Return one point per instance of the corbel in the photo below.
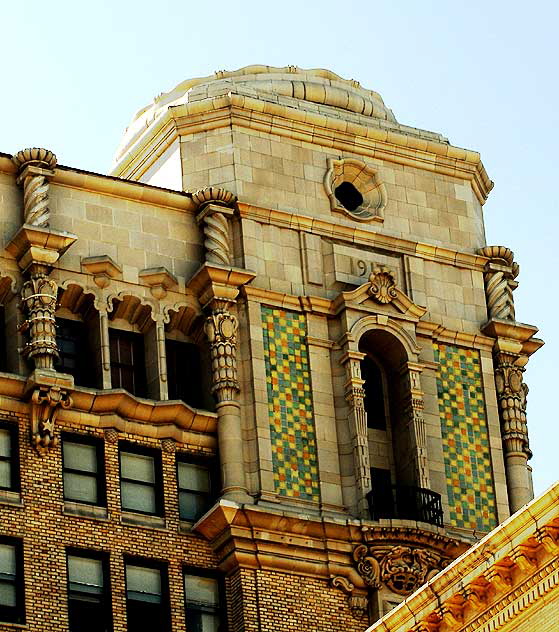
(102, 268)
(159, 280)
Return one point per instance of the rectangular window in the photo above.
(128, 361)
(141, 485)
(71, 338)
(183, 372)
(147, 600)
(202, 603)
(195, 489)
(84, 471)
(11, 581)
(89, 607)
(9, 466)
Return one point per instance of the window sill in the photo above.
(185, 526)
(10, 498)
(19, 626)
(141, 520)
(85, 511)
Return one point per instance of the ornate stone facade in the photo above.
(286, 343)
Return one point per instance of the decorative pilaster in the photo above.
(355, 397)
(217, 285)
(37, 248)
(221, 330)
(514, 343)
(413, 413)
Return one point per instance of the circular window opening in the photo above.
(348, 196)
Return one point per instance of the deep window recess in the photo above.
(202, 603)
(374, 394)
(9, 470)
(382, 498)
(11, 581)
(183, 372)
(71, 338)
(195, 489)
(84, 472)
(141, 486)
(348, 196)
(88, 593)
(128, 361)
(147, 601)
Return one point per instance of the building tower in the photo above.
(271, 374)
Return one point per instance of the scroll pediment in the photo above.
(381, 293)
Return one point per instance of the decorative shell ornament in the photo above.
(35, 156)
(383, 285)
(214, 195)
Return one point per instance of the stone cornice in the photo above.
(382, 142)
(253, 537)
(119, 409)
(494, 581)
(111, 185)
(362, 236)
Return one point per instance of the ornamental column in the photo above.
(37, 248)
(217, 284)
(357, 419)
(412, 397)
(514, 343)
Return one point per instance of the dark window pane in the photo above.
(146, 599)
(5, 443)
(374, 394)
(73, 350)
(202, 603)
(88, 603)
(183, 372)
(137, 467)
(79, 456)
(127, 361)
(138, 497)
(11, 574)
(83, 471)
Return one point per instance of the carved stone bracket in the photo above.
(47, 392)
(402, 569)
(35, 167)
(358, 601)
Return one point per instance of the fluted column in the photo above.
(357, 419)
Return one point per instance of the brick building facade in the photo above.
(266, 375)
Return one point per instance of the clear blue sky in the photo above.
(482, 73)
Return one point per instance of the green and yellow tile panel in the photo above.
(290, 406)
(467, 460)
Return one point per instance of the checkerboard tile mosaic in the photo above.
(469, 476)
(290, 406)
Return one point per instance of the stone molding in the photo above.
(319, 129)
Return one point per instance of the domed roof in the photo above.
(316, 86)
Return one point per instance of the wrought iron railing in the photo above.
(405, 502)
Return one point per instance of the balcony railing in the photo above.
(405, 502)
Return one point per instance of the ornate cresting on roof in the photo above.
(37, 248)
